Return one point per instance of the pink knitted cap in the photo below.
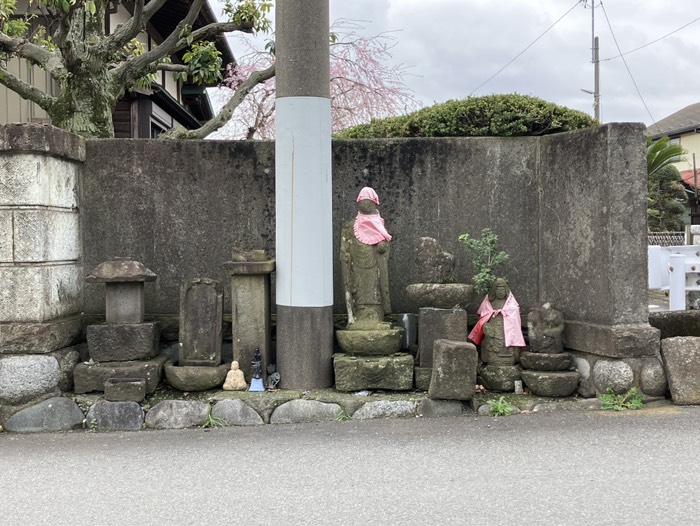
(368, 193)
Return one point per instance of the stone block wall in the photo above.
(41, 267)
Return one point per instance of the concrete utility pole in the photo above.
(303, 188)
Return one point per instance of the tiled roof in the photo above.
(685, 120)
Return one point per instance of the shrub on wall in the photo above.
(504, 115)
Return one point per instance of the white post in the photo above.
(676, 272)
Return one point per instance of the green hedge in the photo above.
(505, 115)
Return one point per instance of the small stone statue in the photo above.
(364, 255)
(256, 382)
(235, 381)
(545, 326)
(499, 326)
(272, 380)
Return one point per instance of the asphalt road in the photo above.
(636, 468)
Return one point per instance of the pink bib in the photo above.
(369, 229)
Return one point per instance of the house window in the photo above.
(157, 128)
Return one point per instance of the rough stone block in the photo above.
(115, 416)
(386, 409)
(681, 357)
(236, 413)
(6, 235)
(302, 411)
(195, 377)
(676, 323)
(422, 377)
(177, 414)
(54, 414)
(125, 389)
(24, 378)
(546, 361)
(201, 322)
(454, 370)
(440, 295)
(435, 324)
(500, 377)
(380, 342)
(614, 341)
(42, 180)
(36, 294)
(92, 377)
(430, 408)
(124, 342)
(46, 235)
(354, 373)
(39, 337)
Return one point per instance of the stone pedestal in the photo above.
(499, 377)
(250, 311)
(354, 373)
(380, 342)
(454, 370)
(435, 324)
(92, 377)
(123, 342)
(40, 243)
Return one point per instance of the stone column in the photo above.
(41, 296)
(250, 311)
(304, 228)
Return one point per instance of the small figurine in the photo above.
(256, 382)
(235, 380)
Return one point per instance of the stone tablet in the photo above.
(201, 322)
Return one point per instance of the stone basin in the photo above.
(378, 342)
(551, 383)
(195, 377)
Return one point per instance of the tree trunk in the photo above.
(85, 106)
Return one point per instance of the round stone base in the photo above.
(551, 383)
(195, 377)
(381, 342)
(546, 362)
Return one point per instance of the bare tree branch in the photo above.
(25, 90)
(225, 114)
(48, 60)
(128, 30)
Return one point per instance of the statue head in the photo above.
(367, 201)
(499, 290)
(234, 365)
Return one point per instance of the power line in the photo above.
(625, 62)
(523, 51)
(652, 42)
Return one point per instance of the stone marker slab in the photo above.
(681, 357)
(92, 377)
(177, 414)
(201, 322)
(54, 414)
(24, 378)
(454, 370)
(125, 389)
(353, 373)
(237, 413)
(435, 324)
(115, 416)
(123, 342)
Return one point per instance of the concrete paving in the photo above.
(566, 468)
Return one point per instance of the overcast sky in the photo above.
(453, 47)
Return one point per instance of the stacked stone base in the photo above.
(356, 373)
(548, 374)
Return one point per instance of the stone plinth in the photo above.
(354, 373)
(380, 342)
(546, 361)
(92, 377)
(435, 324)
(195, 378)
(454, 370)
(123, 342)
(125, 389)
(551, 383)
(614, 341)
(201, 322)
(440, 295)
(500, 377)
(250, 310)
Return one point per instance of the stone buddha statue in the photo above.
(545, 326)
(498, 330)
(364, 256)
(235, 381)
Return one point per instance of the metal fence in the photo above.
(666, 239)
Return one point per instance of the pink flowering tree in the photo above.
(365, 84)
